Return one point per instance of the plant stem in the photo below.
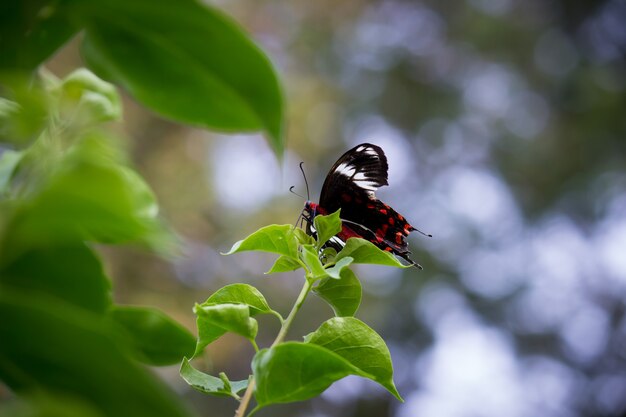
(245, 400)
(296, 307)
(247, 396)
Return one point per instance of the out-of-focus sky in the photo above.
(504, 125)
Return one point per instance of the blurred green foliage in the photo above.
(61, 333)
(124, 42)
(66, 186)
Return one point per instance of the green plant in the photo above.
(295, 371)
(66, 186)
(66, 347)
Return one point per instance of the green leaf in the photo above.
(25, 109)
(49, 346)
(215, 320)
(343, 294)
(240, 294)
(327, 227)
(303, 237)
(89, 196)
(186, 61)
(335, 270)
(284, 264)
(294, 371)
(8, 108)
(155, 337)
(8, 162)
(88, 99)
(244, 297)
(309, 255)
(31, 31)
(209, 384)
(329, 254)
(53, 405)
(360, 345)
(275, 238)
(73, 274)
(364, 252)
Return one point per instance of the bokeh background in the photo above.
(504, 123)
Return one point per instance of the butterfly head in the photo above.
(311, 210)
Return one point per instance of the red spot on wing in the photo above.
(346, 233)
(382, 230)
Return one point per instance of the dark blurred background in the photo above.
(504, 123)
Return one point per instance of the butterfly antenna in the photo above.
(308, 195)
(293, 192)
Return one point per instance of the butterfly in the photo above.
(350, 186)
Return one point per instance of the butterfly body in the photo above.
(350, 186)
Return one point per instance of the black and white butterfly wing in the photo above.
(354, 178)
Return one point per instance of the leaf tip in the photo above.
(234, 249)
